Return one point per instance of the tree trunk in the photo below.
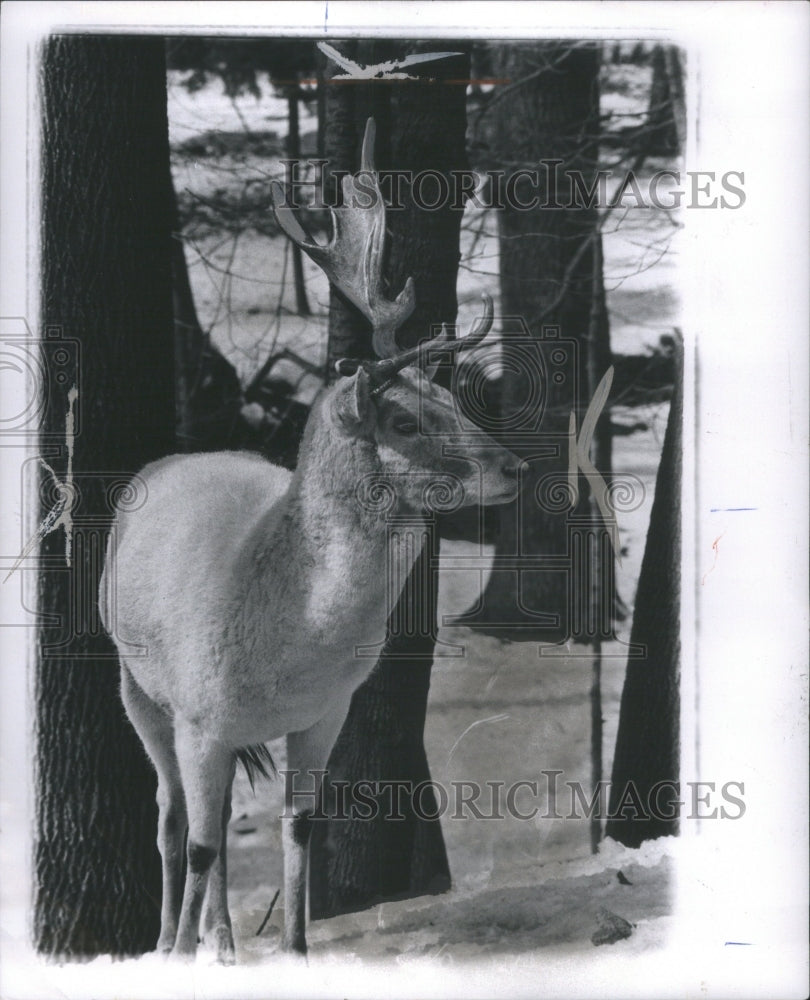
(294, 153)
(320, 76)
(106, 273)
(647, 743)
(665, 129)
(189, 339)
(550, 113)
(677, 93)
(356, 863)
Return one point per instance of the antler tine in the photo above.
(353, 258)
(419, 354)
(367, 151)
(482, 325)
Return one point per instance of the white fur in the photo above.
(249, 590)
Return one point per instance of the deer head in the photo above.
(393, 400)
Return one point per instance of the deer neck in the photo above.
(321, 559)
(327, 491)
(327, 524)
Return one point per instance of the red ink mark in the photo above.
(715, 550)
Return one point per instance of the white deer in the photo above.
(248, 589)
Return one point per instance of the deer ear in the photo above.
(351, 404)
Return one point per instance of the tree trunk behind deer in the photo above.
(665, 129)
(106, 278)
(294, 153)
(189, 339)
(355, 863)
(547, 266)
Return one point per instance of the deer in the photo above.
(238, 593)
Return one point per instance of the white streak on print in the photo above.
(390, 70)
(478, 722)
(61, 514)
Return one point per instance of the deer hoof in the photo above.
(166, 941)
(220, 938)
(184, 951)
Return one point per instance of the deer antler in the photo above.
(382, 372)
(420, 355)
(353, 258)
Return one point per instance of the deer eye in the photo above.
(404, 425)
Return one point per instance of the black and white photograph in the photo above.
(405, 500)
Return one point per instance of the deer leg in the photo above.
(306, 751)
(216, 917)
(156, 730)
(206, 768)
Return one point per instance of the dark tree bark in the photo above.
(647, 743)
(356, 863)
(677, 92)
(189, 339)
(106, 283)
(665, 129)
(320, 75)
(548, 111)
(294, 153)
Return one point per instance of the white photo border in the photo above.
(744, 627)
